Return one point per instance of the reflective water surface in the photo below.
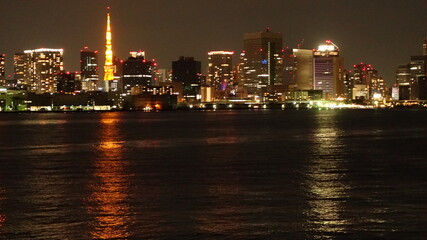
(340, 174)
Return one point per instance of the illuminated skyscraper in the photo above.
(262, 61)
(108, 66)
(2, 69)
(411, 77)
(19, 69)
(366, 76)
(220, 73)
(117, 84)
(164, 76)
(187, 72)
(89, 69)
(41, 66)
(298, 69)
(137, 71)
(66, 82)
(403, 80)
(418, 66)
(329, 71)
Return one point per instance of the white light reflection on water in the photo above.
(325, 181)
(107, 202)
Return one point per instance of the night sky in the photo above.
(384, 33)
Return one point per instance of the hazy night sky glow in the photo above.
(384, 33)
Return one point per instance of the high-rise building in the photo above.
(379, 89)
(367, 75)
(364, 74)
(164, 76)
(348, 84)
(403, 74)
(298, 69)
(2, 69)
(67, 82)
(262, 61)
(220, 73)
(41, 66)
(137, 71)
(403, 81)
(89, 69)
(20, 67)
(418, 67)
(108, 66)
(188, 72)
(116, 85)
(408, 77)
(329, 71)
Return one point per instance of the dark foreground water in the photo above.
(340, 174)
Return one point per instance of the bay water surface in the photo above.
(267, 174)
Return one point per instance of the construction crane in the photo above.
(299, 45)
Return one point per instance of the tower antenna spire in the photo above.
(108, 66)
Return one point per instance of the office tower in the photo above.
(164, 76)
(403, 74)
(329, 71)
(418, 67)
(67, 82)
(187, 72)
(41, 67)
(89, 69)
(108, 66)
(403, 81)
(366, 75)
(2, 69)
(220, 73)
(19, 69)
(379, 88)
(116, 85)
(422, 87)
(408, 77)
(298, 69)
(137, 71)
(348, 84)
(262, 61)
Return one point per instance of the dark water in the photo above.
(342, 174)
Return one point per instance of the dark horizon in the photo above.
(373, 32)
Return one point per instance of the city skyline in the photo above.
(171, 31)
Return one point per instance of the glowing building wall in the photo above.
(262, 61)
(220, 73)
(41, 67)
(329, 71)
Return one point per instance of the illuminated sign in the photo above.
(324, 48)
(220, 53)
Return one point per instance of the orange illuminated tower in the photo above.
(108, 67)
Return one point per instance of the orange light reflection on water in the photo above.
(110, 190)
